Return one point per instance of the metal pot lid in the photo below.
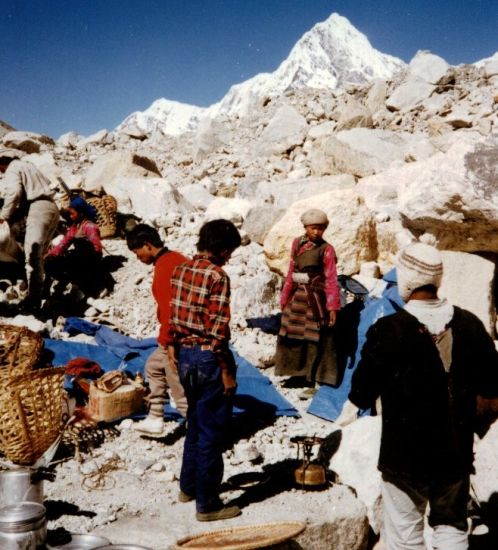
(22, 512)
(123, 547)
(76, 541)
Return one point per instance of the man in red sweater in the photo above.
(144, 241)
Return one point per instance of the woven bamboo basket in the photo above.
(122, 402)
(31, 414)
(20, 351)
(244, 537)
(107, 208)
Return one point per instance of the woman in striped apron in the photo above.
(310, 301)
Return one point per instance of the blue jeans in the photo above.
(208, 417)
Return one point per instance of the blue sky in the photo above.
(84, 65)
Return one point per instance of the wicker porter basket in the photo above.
(31, 414)
(20, 351)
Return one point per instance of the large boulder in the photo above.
(351, 230)
(428, 67)
(210, 135)
(423, 74)
(285, 192)
(117, 165)
(45, 162)
(151, 199)
(485, 480)
(286, 130)
(355, 462)
(260, 220)
(29, 142)
(334, 519)
(452, 195)
(363, 152)
(354, 115)
(231, 209)
(197, 195)
(102, 137)
(468, 282)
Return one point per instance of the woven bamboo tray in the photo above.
(20, 351)
(244, 537)
(31, 414)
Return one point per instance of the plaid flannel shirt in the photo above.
(200, 304)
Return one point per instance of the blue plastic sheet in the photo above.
(328, 401)
(256, 395)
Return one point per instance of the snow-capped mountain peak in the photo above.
(331, 55)
(165, 115)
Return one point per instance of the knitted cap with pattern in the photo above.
(418, 265)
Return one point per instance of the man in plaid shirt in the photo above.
(198, 341)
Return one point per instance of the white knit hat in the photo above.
(314, 216)
(418, 265)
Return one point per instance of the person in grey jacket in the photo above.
(28, 200)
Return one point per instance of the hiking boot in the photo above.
(226, 512)
(150, 425)
(183, 497)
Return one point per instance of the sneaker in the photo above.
(183, 497)
(226, 512)
(151, 425)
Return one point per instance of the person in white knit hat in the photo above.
(430, 363)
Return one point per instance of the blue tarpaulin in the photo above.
(328, 401)
(255, 395)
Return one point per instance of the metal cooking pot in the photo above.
(75, 541)
(23, 526)
(123, 547)
(20, 485)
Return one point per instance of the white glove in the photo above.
(348, 414)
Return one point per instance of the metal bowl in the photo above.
(75, 541)
(123, 547)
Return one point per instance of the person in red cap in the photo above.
(310, 301)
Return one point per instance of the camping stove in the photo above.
(310, 474)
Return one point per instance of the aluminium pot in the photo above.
(77, 541)
(123, 547)
(23, 526)
(20, 485)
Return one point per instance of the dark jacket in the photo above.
(428, 415)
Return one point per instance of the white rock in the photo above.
(355, 462)
(148, 198)
(235, 210)
(102, 137)
(286, 130)
(111, 167)
(428, 67)
(468, 282)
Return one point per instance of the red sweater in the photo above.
(164, 265)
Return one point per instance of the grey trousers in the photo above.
(41, 223)
(161, 376)
(404, 509)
